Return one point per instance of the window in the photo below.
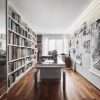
(51, 44)
(59, 46)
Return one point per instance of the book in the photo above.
(16, 17)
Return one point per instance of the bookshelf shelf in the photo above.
(18, 68)
(21, 48)
(17, 22)
(19, 58)
(19, 35)
(14, 45)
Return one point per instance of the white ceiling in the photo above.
(50, 16)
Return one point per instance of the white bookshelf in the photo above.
(22, 53)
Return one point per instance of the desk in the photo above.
(51, 71)
(47, 57)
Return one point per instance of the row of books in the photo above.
(14, 15)
(28, 59)
(15, 65)
(29, 30)
(29, 65)
(13, 53)
(23, 32)
(13, 77)
(13, 38)
(25, 52)
(12, 25)
(17, 52)
(25, 42)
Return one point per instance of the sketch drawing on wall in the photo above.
(79, 59)
(86, 29)
(86, 46)
(78, 49)
(95, 43)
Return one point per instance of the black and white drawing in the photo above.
(78, 49)
(86, 46)
(96, 40)
(79, 59)
(95, 30)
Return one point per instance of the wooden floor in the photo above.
(2, 87)
(77, 88)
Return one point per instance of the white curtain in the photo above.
(52, 44)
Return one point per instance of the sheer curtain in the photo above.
(52, 44)
(45, 46)
(59, 46)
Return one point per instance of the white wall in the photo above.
(2, 18)
(90, 15)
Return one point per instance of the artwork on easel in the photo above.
(95, 29)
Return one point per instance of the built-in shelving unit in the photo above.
(21, 43)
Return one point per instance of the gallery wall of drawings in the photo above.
(86, 41)
(84, 45)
